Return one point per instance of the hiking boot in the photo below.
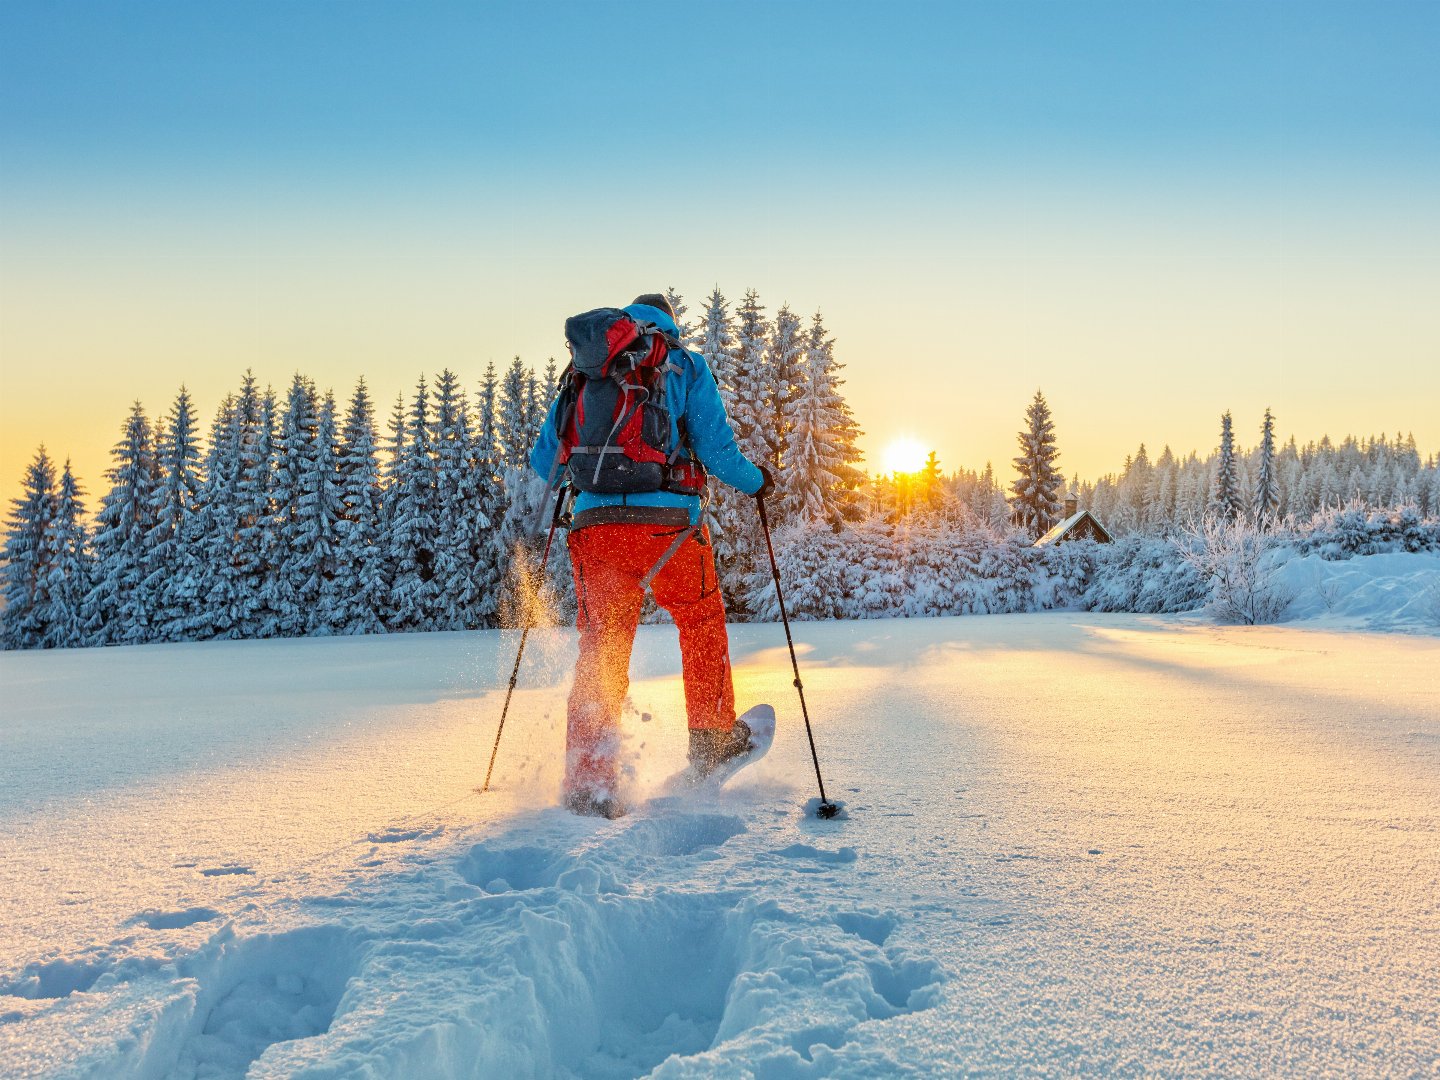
(712, 747)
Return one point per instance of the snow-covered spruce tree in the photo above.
(1289, 478)
(412, 524)
(929, 489)
(1408, 453)
(753, 380)
(316, 534)
(512, 426)
(523, 595)
(1330, 484)
(1267, 488)
(845, 432)
(520, 417)
(177, 494)
(957, 497)
(487, 557)
(118, 607)
(1161, 502)
(1034, 495)
(548, 386)
(395, 454)
(715, 340)
(27, 556)
(992, 506)
(391, 477)
(534, 406)
(456, 498)
(67, 579)
(1136, 488)
(745, 388)
(1332, 488)
(1194, 491)
(285, 603)
(360, 585)
(1245, 474)
(1430, 489)
(689, 333)
(785, 356)
(730, 512)
(1225, 501)
(254, 543)
(504, 500)
(819, 455)
(1101, 501)
(204, 589)
(487, 405)
(560, 581)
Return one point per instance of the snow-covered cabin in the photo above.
(1077, 524)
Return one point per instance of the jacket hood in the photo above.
(646, 313)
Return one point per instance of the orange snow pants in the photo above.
(609, 562)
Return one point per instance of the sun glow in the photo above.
(904, 455)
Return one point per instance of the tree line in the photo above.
(295, 517)
(1269, 483)
(1189, 533)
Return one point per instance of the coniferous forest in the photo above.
(296, 513)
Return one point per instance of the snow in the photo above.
(1074, 843)
(1392, 591)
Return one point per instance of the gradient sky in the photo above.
(1154, 212)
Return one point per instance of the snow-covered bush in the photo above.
(1143, 574)
(918, 567)
(1357, 530)
(1239, 559)
(1063, 573)
(879, 570)
(819, 586)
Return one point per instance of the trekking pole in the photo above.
(826, 809)
(524, 634)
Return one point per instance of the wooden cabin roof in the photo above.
(1067, 528)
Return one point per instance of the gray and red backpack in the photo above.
(612, 417)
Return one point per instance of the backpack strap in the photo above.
(568, 393)
(670, 339)
(628, 389)
(680, 538)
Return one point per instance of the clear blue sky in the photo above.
(981, 197)
(302, 92)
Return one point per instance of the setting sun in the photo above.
(904, 455)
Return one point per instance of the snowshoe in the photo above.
(717, 756)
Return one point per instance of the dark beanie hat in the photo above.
(655, 300)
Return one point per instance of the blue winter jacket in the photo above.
(691, 392)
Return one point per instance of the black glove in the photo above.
(767, 483)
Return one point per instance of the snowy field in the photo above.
(1075, 844)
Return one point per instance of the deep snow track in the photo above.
(1106, 845)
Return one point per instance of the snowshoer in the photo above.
(656, 425)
